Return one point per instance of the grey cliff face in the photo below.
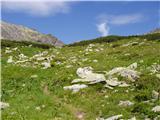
(20, 33)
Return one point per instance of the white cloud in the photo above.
(107, 20)
(103, 28)
(121, 19)
(36, 7)
(125, 19)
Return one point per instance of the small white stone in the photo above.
(43, 106)
(113, 82)
(3, 105)
(40, 58)
(34, 76)
(107, 86)
(15, 48)
(106, 96)
(69, 66)
(133, 66)
(38, 108)
(95, 61)
(116, 117)
(75, 88)
(141, 61)
(156, 108)
(125, 103)
(133, 118)
(155, 94)
(124, 85)
(158, 76)
(10, 60)
(8, 51)
(46, 65)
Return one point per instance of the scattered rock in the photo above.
(113, 82)
(116, 117)
(8, 51)
(40, 58)
(156, 108)
(155, 94)
(124, 72)
(4, 105)
(130, 44)
(69, 66)
(95, 61)
(127, 54)
(46, 65)
(23, 85)
(125, 103)
(10, 59)
(22, 56)
(107, 86)
(80, 115)
(141, 61)
(46, 90)
(106, 96)
(43, 106)
(75, 88)
(158, 76)
(123, 84)
(86, 75)
(133, 66)
(155, 68)
(38, 108)
(133, 118)
(34, 76)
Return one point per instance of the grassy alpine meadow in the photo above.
(34, 89)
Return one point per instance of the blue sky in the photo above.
(75, 21)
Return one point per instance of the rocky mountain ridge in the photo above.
(21, 33)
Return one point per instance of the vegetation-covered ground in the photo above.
(34, 93)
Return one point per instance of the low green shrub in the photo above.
(8, 43)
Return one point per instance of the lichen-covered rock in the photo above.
(124, 72)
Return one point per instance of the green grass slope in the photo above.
(43, 97)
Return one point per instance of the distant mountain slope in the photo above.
(157, 30)
(113, 38)
(22, 33)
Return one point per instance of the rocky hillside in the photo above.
(20, 33)
(110, 79)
